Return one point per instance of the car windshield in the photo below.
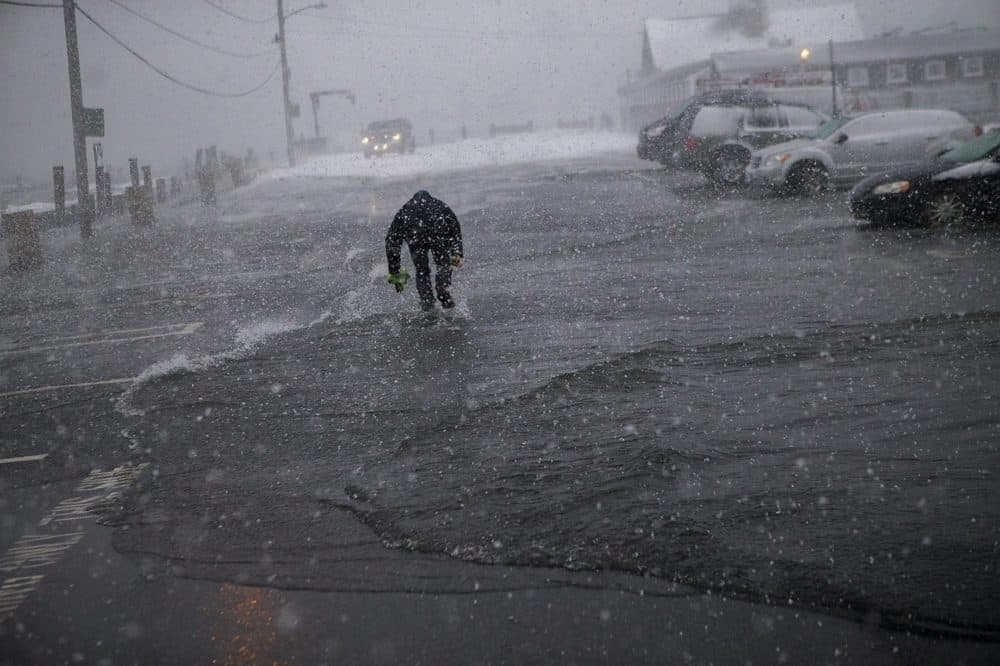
(828, 128)
(385, 126)
(977, 149)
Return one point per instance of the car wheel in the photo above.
(809, 179)
(729, 166)
(944, 210)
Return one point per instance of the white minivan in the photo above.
(845, 150)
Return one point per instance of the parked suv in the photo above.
(845, 150)
(716, 132)
(383, 136)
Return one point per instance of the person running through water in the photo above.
(426, 225)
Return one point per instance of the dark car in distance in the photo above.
(385, 136)
(714, 133)
(962, 185)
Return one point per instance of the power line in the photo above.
(190, 40)
(246, 19)
(417, 29)
(167, 76)
(29, 4)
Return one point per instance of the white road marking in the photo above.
(34, 552)
(195, 297)
(21, 459)
(57, 387)
(110, 337)
(636, 174)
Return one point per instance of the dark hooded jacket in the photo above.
(424, 222)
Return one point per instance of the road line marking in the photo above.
(144, 329)
(644, 177)
(21, 459)
(34, 552)
(56, 387)
(195, 297)
(185, 329)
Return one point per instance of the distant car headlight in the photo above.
(896, 187)
(777, 159)
(654, 132)
(397, 137)
(364, 140)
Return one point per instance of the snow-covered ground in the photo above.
(36, 206)
(468, 154)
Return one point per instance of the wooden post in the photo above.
(101, 205)
(23, 247)
(59, 192)
(84, 206)
(133, 170)
(106, 186)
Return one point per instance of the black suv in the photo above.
(384, 136)
(714, 133)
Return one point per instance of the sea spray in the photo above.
(248, 340)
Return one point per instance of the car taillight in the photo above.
(977, 130)
(690, 143)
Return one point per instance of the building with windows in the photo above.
(677, 54)
(955, 69)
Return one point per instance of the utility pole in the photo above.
(833, 80)
(285, 74)
(83, 207)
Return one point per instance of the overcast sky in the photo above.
(443, 63)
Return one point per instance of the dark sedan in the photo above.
(961, 185)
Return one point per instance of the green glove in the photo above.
(399, 280)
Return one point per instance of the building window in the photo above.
(857, 77)
(934, 70)
(972, 66)
(895, 73)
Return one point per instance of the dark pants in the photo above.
(442, 279)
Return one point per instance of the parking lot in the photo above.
(711, 388)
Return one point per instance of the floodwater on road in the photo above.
(751, 396)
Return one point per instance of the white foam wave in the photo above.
(352, 253)
(363, 301)
(248, 340)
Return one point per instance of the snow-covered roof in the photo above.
(678, 42)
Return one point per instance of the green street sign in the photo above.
(93, 122)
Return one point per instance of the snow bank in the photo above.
(468, 154)
(37, 206)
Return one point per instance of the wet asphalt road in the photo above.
(683, 389)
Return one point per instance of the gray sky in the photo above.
(440, 62)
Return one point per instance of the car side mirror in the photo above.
(840, 138)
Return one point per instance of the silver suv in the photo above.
(714, 133)
(845, 150)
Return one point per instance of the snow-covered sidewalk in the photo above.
(468, 154)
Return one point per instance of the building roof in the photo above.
(878, 49)
(674, 43)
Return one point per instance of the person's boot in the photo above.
(446, 300)
(427, 306)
